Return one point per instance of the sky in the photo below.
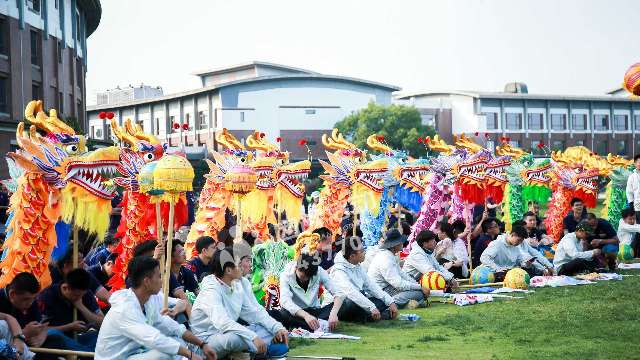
(576, 47)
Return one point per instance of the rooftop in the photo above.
(249, 65)
(506, 95)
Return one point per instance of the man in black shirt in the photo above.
(604, 237)
(18, 300)
(574, 216)
(103, 270)
(64, 265)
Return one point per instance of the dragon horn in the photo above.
(375, 144)
(50, 124)
(123, 134)
(137, 132)
(438, 144)
(227, 139)
(256, 141)
(336, 141)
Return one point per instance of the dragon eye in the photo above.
(149, 157)
(71, 149)
(243, 159)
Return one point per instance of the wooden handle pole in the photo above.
(167, 266)
(160, 233)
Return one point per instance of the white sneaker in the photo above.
(412, 304)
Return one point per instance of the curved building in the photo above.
(43, 55)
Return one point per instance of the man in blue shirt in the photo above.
(605, 238)
(575, 216)
(201, 265)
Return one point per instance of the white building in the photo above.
(129, 93)
(280, 101)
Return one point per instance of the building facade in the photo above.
(605, 124)
(43, 56)
(280, 101)
(129, 93)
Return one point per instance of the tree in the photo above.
(400, 125)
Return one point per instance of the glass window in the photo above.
(35, 48)
(98, 133)
(558, 122)
(535, 121)
(557, 145)
(77, 26)
(35, 91)
(637, 122)
(172, 120)
(579, 121)
(579, 143)
(4, 95)
(427, 119)
(60, 103)
(203, 119)
(620, 122)
(491, 120)
(600, 122)
(621, 148)
(34, 5)
(602, 147)
(514, 143)
(4, 37)
(241, 116)
(313, 111)
(514, 121)
(60, 51)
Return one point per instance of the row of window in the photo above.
(601, 146)
(579, 122)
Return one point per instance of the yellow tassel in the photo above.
(364, 198)
(289, 204)
(86, 211)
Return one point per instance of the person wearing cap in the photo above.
(421, 260)
(315, 199)
(570, 257)
(364, 300)
(505, 253)
(299, 301)
(385, 271)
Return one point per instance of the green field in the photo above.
(598, 321)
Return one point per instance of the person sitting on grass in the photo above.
(421, 260)
(185, 277)
(103, 271)
(364, 300)
(576, 215)
(540, 265)
(64, 264)
(136, 328)
(505, 253)
(385, 271)
(58, 302)
(627, 227)
(490, 231)
(300, 283)
(571, 257)
(460, 265)
(225, 298)
(201, 264)
(605, 238)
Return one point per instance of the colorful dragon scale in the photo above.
(138, 220)
(403, 177)
(214, 198)
(470, 171)
(512, 201)
(61, 179)
(574, 174)
(616, 197)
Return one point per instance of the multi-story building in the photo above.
(279, 100)
(43, 55)
(120, 95)
(604, 124)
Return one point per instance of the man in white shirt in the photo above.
(364, 300)
(421, 260)
(299, 295)
(226, 297)
(633, 196)
(570, 257)
(506, 253)
(385, 271)
(627, 227)
(136, 329)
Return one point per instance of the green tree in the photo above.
(400, 125)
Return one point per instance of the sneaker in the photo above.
(412, 304)
(277, 351)
(240, 356)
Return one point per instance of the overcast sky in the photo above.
(554, 46)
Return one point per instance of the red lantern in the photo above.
(262, 135)
(486, 135)
(278, 139)
(419, 139)
(185, 126)
(540, 145)
(381, 138)
(427, 139)
(110, 115)
(176, 126)
(302, 142)
(477, 133)
(102, 115)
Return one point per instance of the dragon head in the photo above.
(401, 170)
(137, 149)
(584, 168)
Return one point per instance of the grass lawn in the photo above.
(598, 321)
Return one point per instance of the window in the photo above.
(157, 126)
(637, 122)
(187, 120)
(602, 147)
(4, 95)
(204, 119)
(557, 145)
(579, 142)
(491, 120)
(620, 122)
(35, 48)
(491, 145)
(427, 119)
(514, 121)
(579, 121)
(241, 116)
(535, 121)
(558, 122)
(60, 103)
(34, 5)
(621, 148)
(98, 133)
(172, 120)
(78, 26)
(59, 51)
(4, 37)
(600, 122)
(55, 4)
(514, 143)
(35, 92)
(310, 111)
